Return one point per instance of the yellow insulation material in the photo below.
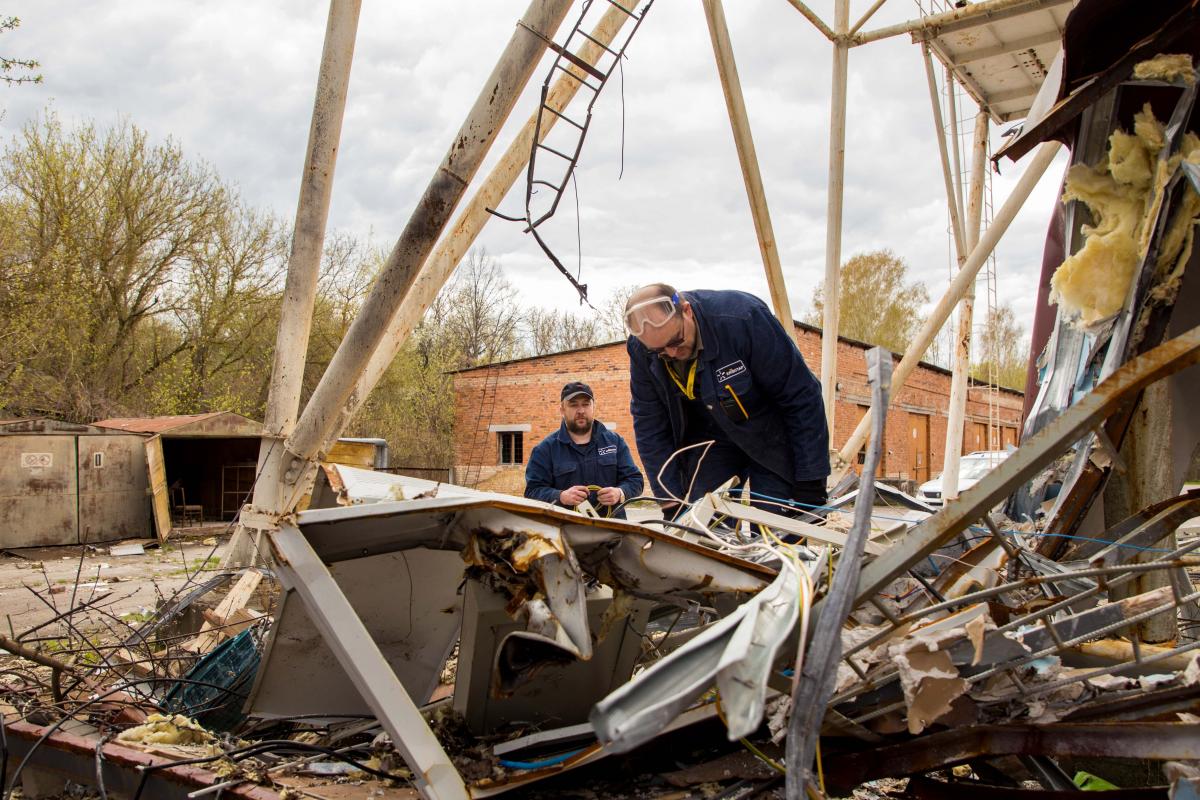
(1093, 282)
(162, 729)
(1124, 193)
(1166, 67)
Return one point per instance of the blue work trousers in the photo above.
(725, 459)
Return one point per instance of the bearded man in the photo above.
(582, 460)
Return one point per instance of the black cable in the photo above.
(50, 730)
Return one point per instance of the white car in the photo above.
(971, 467)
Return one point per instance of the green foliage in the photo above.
(1002, 350)
(16, 70)
(876, 304)
(137, 283)
(125, 261)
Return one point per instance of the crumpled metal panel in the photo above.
(409, 603)
(736, 652)
(538, 557)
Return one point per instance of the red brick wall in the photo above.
(526, 392)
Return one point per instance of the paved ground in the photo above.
(124, 585)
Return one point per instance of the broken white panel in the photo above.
(409, 604)
(736, 653)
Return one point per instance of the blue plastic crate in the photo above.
(222, 680)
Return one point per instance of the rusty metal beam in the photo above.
(446, 187)
(743, 140)
(1148, 740)
(975, 14)
(455, 243)
(957, 288)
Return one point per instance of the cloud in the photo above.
(233, 83)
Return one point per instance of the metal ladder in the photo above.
(541, 172)
(479, 439)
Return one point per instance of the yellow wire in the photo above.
(770, 762)
(820, 767)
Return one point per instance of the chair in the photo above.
(182, 512)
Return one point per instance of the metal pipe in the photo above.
(966, 307)
(955, 149)
(454, 245)
(947, 178)
(958, 287)
(743, 140)
(957, 17)
(470, 145)
(812, 17)
(304, 263)
(863, 19)
(833, 222)
(312, 211)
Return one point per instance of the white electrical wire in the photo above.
(670, 458)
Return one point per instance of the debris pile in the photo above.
(964, 649)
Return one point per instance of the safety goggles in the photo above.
(655, 313)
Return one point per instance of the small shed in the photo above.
(199, 464)
(65, 483)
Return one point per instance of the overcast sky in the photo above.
(232, 82)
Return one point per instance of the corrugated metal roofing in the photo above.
(154, 424)
(213, 423)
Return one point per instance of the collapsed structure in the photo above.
(1049, 612)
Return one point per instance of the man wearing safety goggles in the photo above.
(717, 366)
(582, 460)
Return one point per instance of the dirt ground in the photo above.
(128, 587)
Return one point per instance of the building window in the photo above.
(512, 447)
(97, 460)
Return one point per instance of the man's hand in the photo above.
(610, 496)
(573, 496)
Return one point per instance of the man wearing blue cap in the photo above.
(582, 460)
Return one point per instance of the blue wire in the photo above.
(547, 762)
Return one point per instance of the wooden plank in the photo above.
(352, 454)
(157, 467)
(238, 621)
(237, 598)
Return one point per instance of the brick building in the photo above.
(502, 410)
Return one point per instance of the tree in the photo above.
(475, 316)
(121, 258)
(555, 331)
(16, 70)
(611, 313)
(1002, 350)
(876, 304)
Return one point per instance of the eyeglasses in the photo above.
(655, 312)
(675, 341)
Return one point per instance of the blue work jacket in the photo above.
(558, 463)
(750, 377)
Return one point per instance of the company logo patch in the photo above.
(729, 370)
(607, 451)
